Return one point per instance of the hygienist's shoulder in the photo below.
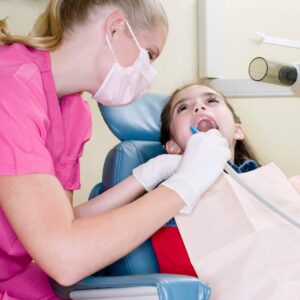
(20, 77)
(19, 62)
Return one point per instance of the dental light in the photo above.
(261, 69)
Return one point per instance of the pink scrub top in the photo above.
(38, 134)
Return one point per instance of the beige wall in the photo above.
(271, 125)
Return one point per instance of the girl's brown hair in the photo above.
(61, 15)
(242, 149)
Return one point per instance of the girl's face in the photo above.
(204, 108)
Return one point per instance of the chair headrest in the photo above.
(139, 120)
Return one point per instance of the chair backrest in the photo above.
(137, 121)
(138, 128)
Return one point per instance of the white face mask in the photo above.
(123, 85)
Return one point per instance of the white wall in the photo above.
(272, 124)
(21, 13)
(178, 65)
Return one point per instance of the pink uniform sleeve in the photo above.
(77, 125)
(23, 125)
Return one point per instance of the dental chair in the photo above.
(136, 276)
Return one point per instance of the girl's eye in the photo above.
(181, 108)
(213, 100)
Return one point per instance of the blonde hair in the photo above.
(61, 15)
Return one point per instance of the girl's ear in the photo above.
(239, 132)
(172, 148)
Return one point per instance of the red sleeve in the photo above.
(170, 251)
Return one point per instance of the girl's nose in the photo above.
(199, 108)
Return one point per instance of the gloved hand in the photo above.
(202, 163)
(157, 169)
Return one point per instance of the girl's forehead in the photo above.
(192, 91)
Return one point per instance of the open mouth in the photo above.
(206, 123)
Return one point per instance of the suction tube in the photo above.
(261, 69)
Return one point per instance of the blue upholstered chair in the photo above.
(135, 276)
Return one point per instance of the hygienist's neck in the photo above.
(64, 73)
(79, 64)
(71, 73)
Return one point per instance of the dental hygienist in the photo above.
(104, 47)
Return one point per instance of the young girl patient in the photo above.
(201, 107)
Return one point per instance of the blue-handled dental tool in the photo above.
(194, 130)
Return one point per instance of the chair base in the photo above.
(131, 293)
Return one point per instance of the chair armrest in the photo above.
(169, 286)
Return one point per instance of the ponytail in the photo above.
(46, 33)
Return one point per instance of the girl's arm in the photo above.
(146, 177)
(69, 249)
(122, 193)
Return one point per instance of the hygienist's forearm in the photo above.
(118, 232)
(125, 192)
(69, 249)
(70, 195)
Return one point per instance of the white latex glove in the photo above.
(157, 169)
(202, 163)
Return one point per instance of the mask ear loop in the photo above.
(111, 49)
(133, 35)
